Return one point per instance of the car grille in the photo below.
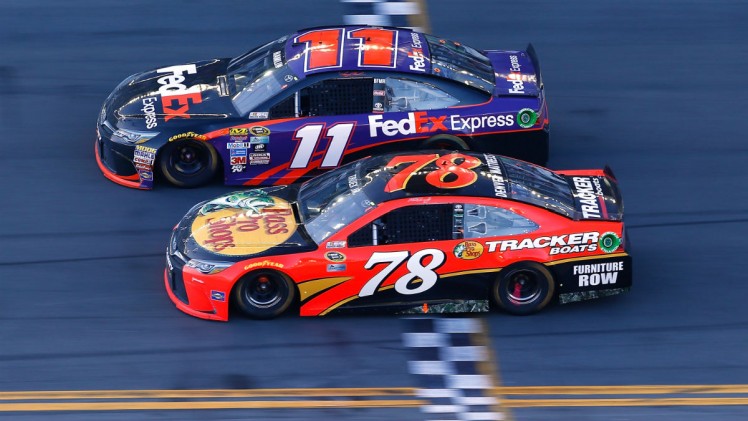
(175, 262)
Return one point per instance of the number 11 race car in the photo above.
(409, 231)
(307, 102)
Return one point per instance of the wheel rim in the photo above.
(264, 291)
(189, 158)
(523, 287)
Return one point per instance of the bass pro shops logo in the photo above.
(175, 96)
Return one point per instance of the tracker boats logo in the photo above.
(175, 96)
(588, 190)
(557, 244)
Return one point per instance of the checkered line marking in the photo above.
(383, 13)
(447, 365)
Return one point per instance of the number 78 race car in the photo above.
(420, 230)
(287, 110)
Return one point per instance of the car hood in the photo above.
(172, 96)
(243, 224)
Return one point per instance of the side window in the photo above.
(488, 221)
(337, 97)
(284, 109)
(411, 95)
(410, 224)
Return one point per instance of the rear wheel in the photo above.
(523, 288)
(445, 141)
(264, 294)
(188, 163)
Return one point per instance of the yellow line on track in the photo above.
(384, 397)
(207, 393)
(622, 390)
(532, 403)
(154, 406)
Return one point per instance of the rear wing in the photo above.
(596, 194)
(517, 72)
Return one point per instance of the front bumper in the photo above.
(192, 292)
(115, 161)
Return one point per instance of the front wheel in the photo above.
(264, 294)
(188, 163)
(523, 288)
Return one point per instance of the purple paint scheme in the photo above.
(307, 102)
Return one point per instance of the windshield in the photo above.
(461, 63)
(333, 200)
(538, 186)
(258, 75)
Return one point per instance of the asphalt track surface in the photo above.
(655, 89)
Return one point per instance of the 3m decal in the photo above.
(175, 96)
(309, 137)
(416, 270)
(454, 172)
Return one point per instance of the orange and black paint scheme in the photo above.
(425, 227)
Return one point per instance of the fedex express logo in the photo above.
(416, 54)
(175, 96)
(418, 122)
(515, 77)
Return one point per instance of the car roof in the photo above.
(409, 47)
(399, 175)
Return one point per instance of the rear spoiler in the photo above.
(596, 194)
(517, 73)
(535, 63)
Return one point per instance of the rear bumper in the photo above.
(590, 277)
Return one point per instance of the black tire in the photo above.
(188, 163)
(523, 288)
(445, 141)
(264, 294)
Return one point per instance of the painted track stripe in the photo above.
(142, 406)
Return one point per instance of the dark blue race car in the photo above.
(314, 99)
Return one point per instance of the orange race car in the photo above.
(427, 230)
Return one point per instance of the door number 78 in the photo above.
(416, 270)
